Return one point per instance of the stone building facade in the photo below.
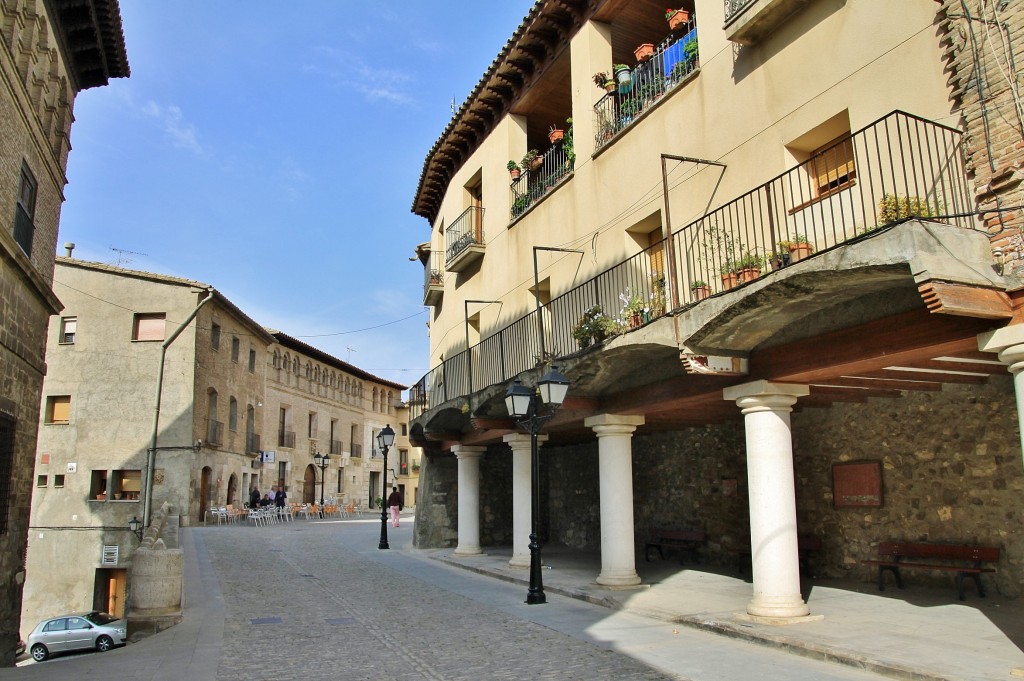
(229, 396)
(318, 404)
(45, 61)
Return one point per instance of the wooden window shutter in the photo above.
(832, 164)
(149, 327)
(60, 409)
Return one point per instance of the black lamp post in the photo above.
(321, 461)
(523, 405)
(385, 439)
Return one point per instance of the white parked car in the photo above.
(77, 631)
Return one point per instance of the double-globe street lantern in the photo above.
(385, 438)
(524, 405)
(321, 461)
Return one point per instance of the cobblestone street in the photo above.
(318, 600)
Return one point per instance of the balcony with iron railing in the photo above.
(748, 22)
(672, 63)
(357, 450)
(252, 442)
(464, 242)
(24, 229)
(542, 175)
(898, 167)
(336, 449)
(433, 280)
(286, 438)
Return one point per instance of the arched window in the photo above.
(233, 414)
(375, 399)
(277, 359)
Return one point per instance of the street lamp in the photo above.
(523, 405)
(135, 525)
(385, 438)
(321, 461)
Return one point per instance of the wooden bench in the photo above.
(688, 541)
(963, 559)
(806, 545)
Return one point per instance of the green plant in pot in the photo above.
(594, 326)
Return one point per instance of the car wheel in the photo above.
(104, 643)
(39, 652)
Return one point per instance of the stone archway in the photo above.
(205, 489)
(232, 489)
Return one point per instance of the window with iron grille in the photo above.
(6, 459)
(25, 210)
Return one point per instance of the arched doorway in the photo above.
(309, 485)
(204, 492)
(232, 489)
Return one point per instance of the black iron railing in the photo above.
(252, 442)
(734, 7)
(432, 272)
(24, 229)
(898, 167)
(538, 179)
(465, 231)
(674, 59)
(286, 438)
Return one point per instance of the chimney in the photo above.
(69, 246)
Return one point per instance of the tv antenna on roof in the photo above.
(350, 351)
(122, 254)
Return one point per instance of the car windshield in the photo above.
(100, 618)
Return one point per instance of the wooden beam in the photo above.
(967, 301)
(840, 393)
(893, 341)
(973, 367)
(924, 376)
(883, 383)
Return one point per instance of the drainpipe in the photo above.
(147, 510)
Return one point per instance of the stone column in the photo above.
(521, 501)
(469, 499)
(615, 465)
(773, 535)
(1009, 343)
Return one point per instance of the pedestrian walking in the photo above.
(395, 503)
(254, 497)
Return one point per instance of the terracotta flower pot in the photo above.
(536, 163)
(610, 86)
(556, 135)
(700, 292)
(730, 280)
(515, 173)
(644, 52)
(678, 19)
(798, 252)
(748, 274)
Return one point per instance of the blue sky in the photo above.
(273, 150)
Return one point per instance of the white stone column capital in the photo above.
(785, 394)
(468, 452)
(613, 424)
(522, 440)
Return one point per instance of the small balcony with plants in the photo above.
(667, 62)
(433, 279)
(748, 22)
(537, 174)
(464, 242)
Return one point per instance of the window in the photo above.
(233, 414)
(98, 485)
(127, 485)
(312, 425)
(58, 481)
(235, 348)
(25, 210)
(40, 481)
(405, 429)
(215, 336)
(832, 165)
(56, 625)
(149, 326)
(68, 326)
(252, 361)
(58, 409)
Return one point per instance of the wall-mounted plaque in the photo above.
(857, 484)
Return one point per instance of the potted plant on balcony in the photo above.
(690, 52)
(644, 51)
(730, 275)
(513, 169)
(555, 134)
(624, 77)
(532, 160)
(676, 18)
(700, 289)
(748, 267)
(632, 308)
(604, 81)
(594, 326)
(799, 248)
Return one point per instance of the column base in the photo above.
(618, 578)
(778, 606)
(467, 551)
(520, 561)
